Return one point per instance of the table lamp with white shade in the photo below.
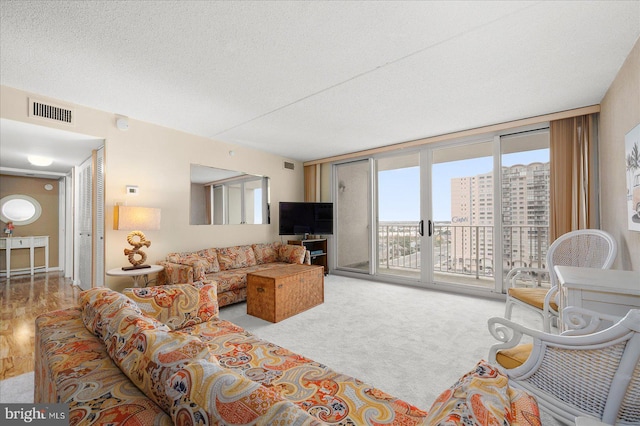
(136, 220)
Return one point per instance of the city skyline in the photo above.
(404, 204)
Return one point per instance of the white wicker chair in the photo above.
(589, 248)
(571, 375)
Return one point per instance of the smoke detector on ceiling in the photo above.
(122, 123)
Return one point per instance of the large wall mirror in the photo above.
(19, 209)
(228, 197)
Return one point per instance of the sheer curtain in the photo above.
(574, 175)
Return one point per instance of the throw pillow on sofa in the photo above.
(122, 331)
(211, 255)
(236, 257)
(100, 303)
(291, 254)
(267, 252)
(201, 264)
(157, 356)
(177, 305)
(483, 397)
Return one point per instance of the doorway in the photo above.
(67, 150)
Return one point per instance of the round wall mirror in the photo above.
(19, 209)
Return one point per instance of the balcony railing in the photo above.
(462, 249)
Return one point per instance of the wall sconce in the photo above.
(136, 219)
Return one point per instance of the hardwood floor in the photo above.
(22, 299)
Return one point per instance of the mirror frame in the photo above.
(36, 215)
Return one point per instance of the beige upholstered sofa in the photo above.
(161, 356)
(228, 266)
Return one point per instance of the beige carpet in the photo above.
(17, 389)
(409, 342)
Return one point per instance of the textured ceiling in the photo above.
(309, 80)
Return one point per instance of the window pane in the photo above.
(525, 202)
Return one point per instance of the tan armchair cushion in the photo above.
(514, 357)
(531, 296)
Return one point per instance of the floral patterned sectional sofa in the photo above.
(228, 266)
(161, 356)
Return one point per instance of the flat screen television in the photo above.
(299, 218)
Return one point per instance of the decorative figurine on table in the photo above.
(9, 229)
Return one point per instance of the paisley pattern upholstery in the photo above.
(291, 254)
(211, 255)
(177, 306)
(156, 356)
(236, 257)
(232, 296)
(228, 267)
(101, 302)
(237, 278)
(174, 273)
(205, 390)
(214, 372)
(267, 252)
(331, 397)
(484, 397)
(73, 367)
(200, 264)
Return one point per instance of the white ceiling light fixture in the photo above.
(40, 161)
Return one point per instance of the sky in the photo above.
(398, 190)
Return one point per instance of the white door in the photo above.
(89, 223)
(98, 241)
(83, 226)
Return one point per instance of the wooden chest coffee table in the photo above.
(278, 293)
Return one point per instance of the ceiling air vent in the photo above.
(289, 165)
(49, 111)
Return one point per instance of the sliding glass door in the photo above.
(353, 218)
(442, 215)
(462, 189)
(398, 215)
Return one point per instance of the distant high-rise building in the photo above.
(525, 217)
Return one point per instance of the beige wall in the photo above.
(47, 224)
(620, 112)
(158, 159)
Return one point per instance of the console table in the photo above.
(16, 243)
(609, 291)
